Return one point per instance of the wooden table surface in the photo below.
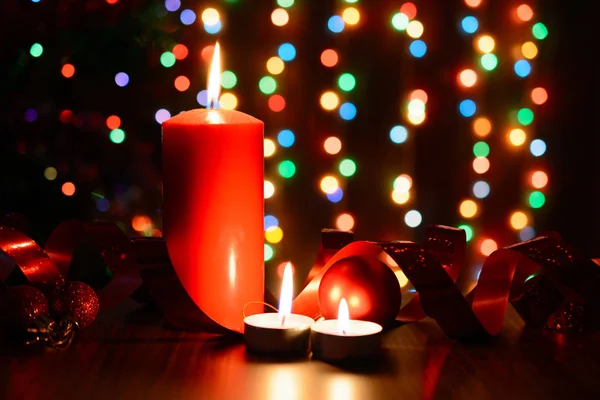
(128, 354)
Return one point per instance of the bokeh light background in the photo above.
(379, 118)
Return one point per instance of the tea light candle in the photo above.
(281, 332)
(344, 339)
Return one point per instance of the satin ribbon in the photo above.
(73, 243)
(548, 282)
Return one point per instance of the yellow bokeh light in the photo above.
(332, 145)
(210, 16)
(329, 184)
(467, 77)
(518, 220)
(539, 179)
(403, 183)
(488, 246)
(345, 222)
(517, 137)
(269, 190)
(351, 16)
(473, 3)
(416, 119)
(274, 234)
(415, 29)
(486, 43)
(481, 165)
(228, 101)
(529, 50)
(269, 147)
(400, 197)
(330, 100)
(275, 65)
(468, 208)
(482, 126)
(280, 17)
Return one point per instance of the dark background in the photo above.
(101, 40)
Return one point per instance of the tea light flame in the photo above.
(214, 79)
(287, 288)
(343, 317)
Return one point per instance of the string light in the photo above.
(413, 218)
(345, 222)
(488, 246)
(329, 58)
(539, 95)
(524, 12)
(351, 16)
(329, 184)
(269, 148)
(329, 101)
(332, 145)
(280, 17)
(68, 70)
(275, 65)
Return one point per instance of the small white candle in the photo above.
(281, 332)
(344, 339)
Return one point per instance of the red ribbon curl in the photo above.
(549, 282)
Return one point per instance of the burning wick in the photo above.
(343, 317)
(214, 79)
(285, 299)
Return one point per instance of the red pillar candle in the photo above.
(213, 186)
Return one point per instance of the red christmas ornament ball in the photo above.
(20, 306)
(370, 288)
(77, 301)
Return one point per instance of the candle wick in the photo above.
(283, 320)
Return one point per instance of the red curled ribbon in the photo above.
(548, 282)
(97, 253)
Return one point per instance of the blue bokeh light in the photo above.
(172, 5)
(467, 108)
(336, 24)
(348, 111)
(527, 233)
(102, 204)
(212, 29)
(286, 138)
(270, 221)
(187, 17)
(469, 24)
(336, 196)
(122, 79)
(522, 68)
(481, 189)
(418, 48)
(398, 134)
(287, 52)
(537, 147)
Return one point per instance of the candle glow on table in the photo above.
(213, 205)
(281, 332)
(345, 339)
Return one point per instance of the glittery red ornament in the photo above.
(76, 301)
(369, 286)
(20, 306)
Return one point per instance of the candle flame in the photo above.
(343, 317)
(287, 288)
(214, 79)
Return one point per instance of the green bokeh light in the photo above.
(50, 173)
(347, 167)
(287, 169)
(285, 3)
(228, 80)
(489, 61)
(167, 59)
(468, 231)
(481, 149)
(267, 85)
(525, 116)
(346, 82)
(268, 252)
(117, 136)
(36, 50)
(539, 31)
(537, 199)
(400, 21)
(351, 1)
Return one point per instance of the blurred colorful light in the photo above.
(187, 17)
(481, 165)
(329, 58)
(517, 137)
(415, 29)
(267, 85)
(286, 169)
(280, 17)
(468, 231)
(351, 16)
(162, 115)
(210, 16)
(68, 70)
(36, 50)
(268, 147)
(413, 218)
(482, 126)
(345, 222)
(522, 68)
(524, 12)
(467, 77)
(489, 61)
(275, 65)
(539, 31)
(525, 116)
(286, 138)
(121, 79)
(276, 103)
(347, 167)
(332, 145)
(398, 134)
(346, 82)
(117, 136)
(336, 196)
(182, 83)
(329, 100)
(329, 184)
(470, 24)
(486, 43)
(488, 246)
(347, 111)
(539, 95)
(481, 149)
(167, 59)
(400, 21)
(529, 50)
(537, 147)
(336, 24)
(287, 52)
(417, 48)
(537, 199)
(68, 189)
(518, 220)
(468, 208)
(539, 179)
(269, 189)
(467, 108)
